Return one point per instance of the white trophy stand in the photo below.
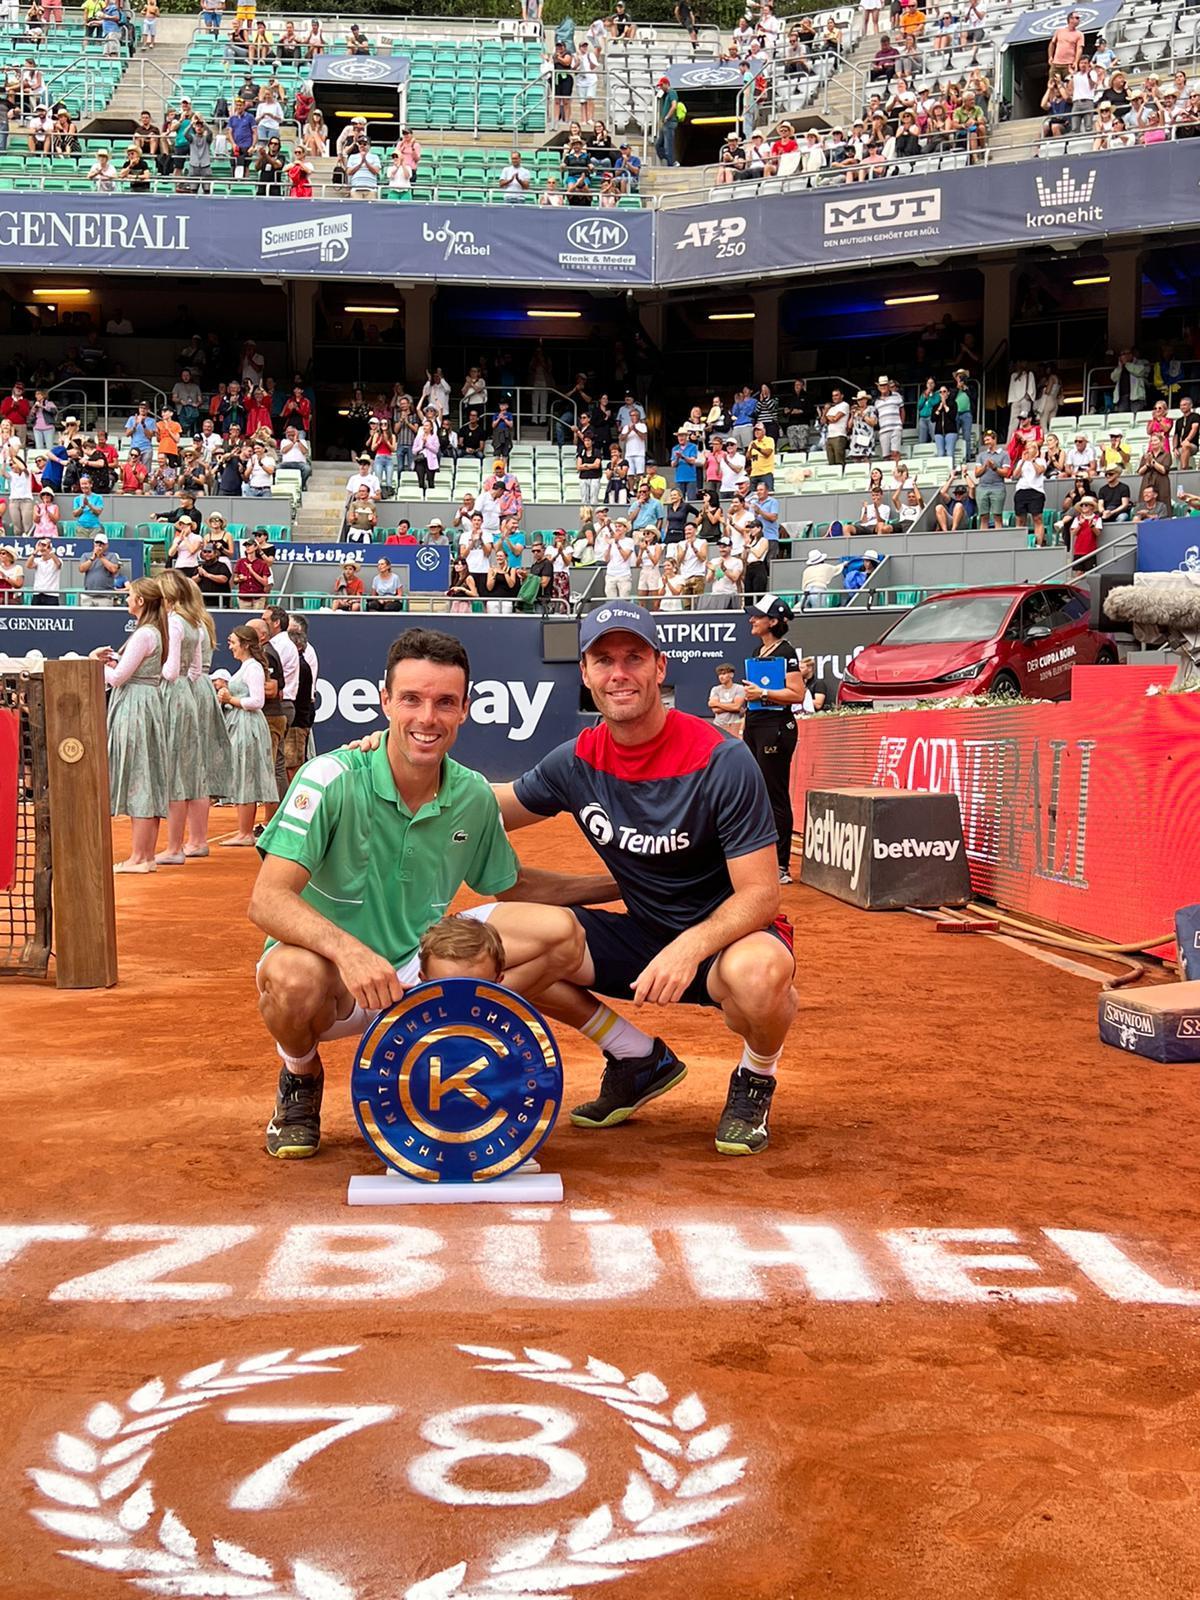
(529, 1185)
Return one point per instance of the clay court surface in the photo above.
(909, 1427)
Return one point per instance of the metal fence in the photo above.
(25, 908)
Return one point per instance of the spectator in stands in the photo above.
(515, 180)
(953, 508)
(12, 577)
(268, 169)
(385, 588)
(634, 435)
(1114, 497)
(1155, 469)
(1116, 451)
(835, 418)
(863, 422)
(100, 571)
(875, 515)
(133, 473)
(1186, 433)
(186, 399)
(1150, 505)
(1129, 381)
(361, 516)
(799, 417)
(348, 589)
(14, 409)
(987, 479)
(214, 576)
(258, 473)
(1029, 499)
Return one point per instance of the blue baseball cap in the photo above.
(618, 616)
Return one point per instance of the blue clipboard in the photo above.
(766, 672)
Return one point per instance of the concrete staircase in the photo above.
(849, 89)
(320, 516)
(148, 83)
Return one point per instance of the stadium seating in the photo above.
(453, 83)
(75, 69)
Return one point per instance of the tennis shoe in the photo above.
(742, 1130)
(628, 1084)
(294, 1132)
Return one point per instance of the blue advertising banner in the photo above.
(428, 564)
(131, 552)
(1039, 26)
(1169, 544)
(369, 72)
(521, 705)
(1025, 203)
(323, 238)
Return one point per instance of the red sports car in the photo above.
(1011, 639)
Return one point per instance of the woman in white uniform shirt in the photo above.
(252, 776)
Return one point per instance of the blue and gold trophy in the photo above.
(455, 1088)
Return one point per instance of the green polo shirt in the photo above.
(375, 870)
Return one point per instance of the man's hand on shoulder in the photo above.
(369, 741)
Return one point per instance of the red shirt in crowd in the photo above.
(14, 408)
(252, 575)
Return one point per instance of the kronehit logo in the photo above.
(1066, 202)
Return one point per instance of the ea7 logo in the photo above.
(883, 211)
(721, 230)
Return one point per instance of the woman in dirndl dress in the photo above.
(185, 596)
(252, 771)
(137, 752)
(181, 723)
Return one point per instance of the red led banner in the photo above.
(1085, 812)
(10, 778)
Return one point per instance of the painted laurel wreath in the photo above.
(99, 1495)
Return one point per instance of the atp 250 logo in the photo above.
(726, 235)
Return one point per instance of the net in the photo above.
(25, 906)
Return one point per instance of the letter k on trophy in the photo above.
(455, 1088)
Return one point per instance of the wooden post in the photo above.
(85, 920)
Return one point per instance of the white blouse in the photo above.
(255, 680)
(137, 648)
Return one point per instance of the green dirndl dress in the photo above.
(214, 735)
(252, 778)
(181, 722)
(137, 747)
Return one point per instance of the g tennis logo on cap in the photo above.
(597, 822)
(460, 1081)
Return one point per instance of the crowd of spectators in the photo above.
(1092, 94)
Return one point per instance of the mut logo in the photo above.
(907, 209)
(1066, 192)
(1067, 202)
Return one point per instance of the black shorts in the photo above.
(1028, 502)
(620, 948)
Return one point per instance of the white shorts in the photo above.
(357, 1021)
(889, 441)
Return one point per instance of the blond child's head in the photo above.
(461, 947)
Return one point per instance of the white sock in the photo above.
(615, 1036)
(764, 1066)
(296, 1064)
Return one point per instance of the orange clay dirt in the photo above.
(798, 1388)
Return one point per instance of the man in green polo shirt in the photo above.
(365, 853)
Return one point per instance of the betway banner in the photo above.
(972, 209)
(1065, 805)
(520, 244)
(521, 705)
